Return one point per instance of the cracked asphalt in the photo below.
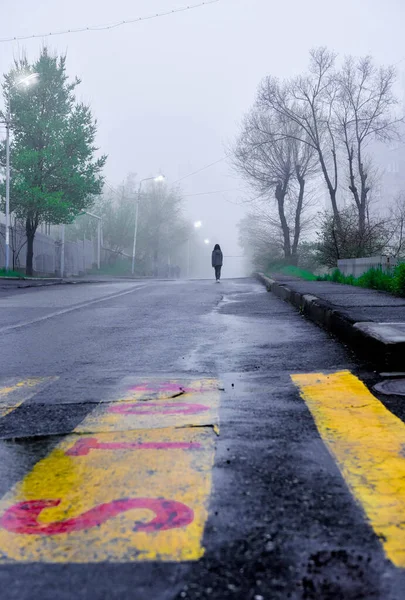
(274, 517)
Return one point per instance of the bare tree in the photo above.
(305, 168)
(346, 242)
(333, 114)
(278, 164)
(363, 111)
(307, 102)
(260, 237)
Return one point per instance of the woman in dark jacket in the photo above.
(217, 260)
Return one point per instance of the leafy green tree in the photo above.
(55, 170)
(117, 209)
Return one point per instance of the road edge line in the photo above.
(70, 309)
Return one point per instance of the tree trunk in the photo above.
(363, 197)
(298, 212)
(30, 230)
(362, 223)
(353, 186)
(359, 198)
(336, 245)
(281, 191)
(331, 189)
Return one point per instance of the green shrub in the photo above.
(336, 277)
(398, 283)
(350, 280)
(376, 279)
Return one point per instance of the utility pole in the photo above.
(188, 258)
(99, 244)
(62, 250)
(136, 227)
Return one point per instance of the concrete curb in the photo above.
(384, 352)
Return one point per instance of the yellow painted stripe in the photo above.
(13, 394)
(103, 475)
(368, 443)
(101, 419)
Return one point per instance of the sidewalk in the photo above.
(371, 322)
(8, 283)
(28, 282)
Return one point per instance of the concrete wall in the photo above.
(79, 256)
(358, 266)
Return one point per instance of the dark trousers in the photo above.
(217, 273)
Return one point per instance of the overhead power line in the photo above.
(110, 187)
(200, 170)
(110, 26)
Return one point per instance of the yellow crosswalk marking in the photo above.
(368, 443)
(131, 483)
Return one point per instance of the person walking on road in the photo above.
(217, 260)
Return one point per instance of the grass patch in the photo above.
(119, 268)
(295, 272)
(10, 273)
(374, 279)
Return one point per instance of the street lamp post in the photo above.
(159, 178)
(24, 81)
(62, 250)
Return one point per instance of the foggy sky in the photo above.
(169, 93)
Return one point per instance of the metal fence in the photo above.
(80, 256)
(358, 266)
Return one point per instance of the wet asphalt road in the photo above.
(282, 522)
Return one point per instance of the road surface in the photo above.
(170, 440)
